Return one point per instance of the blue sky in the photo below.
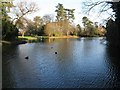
(48, 7)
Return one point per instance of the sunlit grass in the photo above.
(27, 37)
(32, 37)
(45, 37)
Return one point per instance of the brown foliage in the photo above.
(61, 27)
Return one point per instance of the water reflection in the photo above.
(114, 64)
(42, 40)
(79, 63)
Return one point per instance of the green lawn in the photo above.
(27, 37)
(32, 37)
(45, 37)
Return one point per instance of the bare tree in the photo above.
(100, 5)
(47, 18)
(20, 11)
(112, 26)
(23, 9)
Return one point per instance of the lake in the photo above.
(78, 63)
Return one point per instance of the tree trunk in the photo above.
(23, 33)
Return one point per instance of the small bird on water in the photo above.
(55, 52)
(26, 57)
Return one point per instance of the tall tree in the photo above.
(20, 11)
(79, 29)
(64, 13)
(61, 13)
(88, 26)
(30, 27)
(86, 22)
(23, 9)
(9, 31)
(38, 25)
(65, 17)
(37, 22)
(70, 14)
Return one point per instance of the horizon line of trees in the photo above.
(41, 26)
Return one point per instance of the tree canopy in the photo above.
(45, 25)
(64, 14)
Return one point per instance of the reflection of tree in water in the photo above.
(65, 61)
(46, 40)
(114, 61)
(8, 52)
(65, 48)
(87, 46)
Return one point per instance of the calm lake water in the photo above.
(79, 63)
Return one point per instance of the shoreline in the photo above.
(47, 37)
(26, 39)
(66, 37)
(13, 42)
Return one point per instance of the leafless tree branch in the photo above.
(90, 5)
(23, 9)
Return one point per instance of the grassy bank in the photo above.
(32, 37)
(45, 37)
(25, 39)
(65, 37)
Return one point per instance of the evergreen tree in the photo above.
(9, 31)
(88, 26)
(61, 13)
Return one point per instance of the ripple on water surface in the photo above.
(79, 63)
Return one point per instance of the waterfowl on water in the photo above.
(55, 52)
(26, 57)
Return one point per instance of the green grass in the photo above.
(32, 37)
(42, 36)
(27, 37)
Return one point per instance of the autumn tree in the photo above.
(56, 28)
(65, 15)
